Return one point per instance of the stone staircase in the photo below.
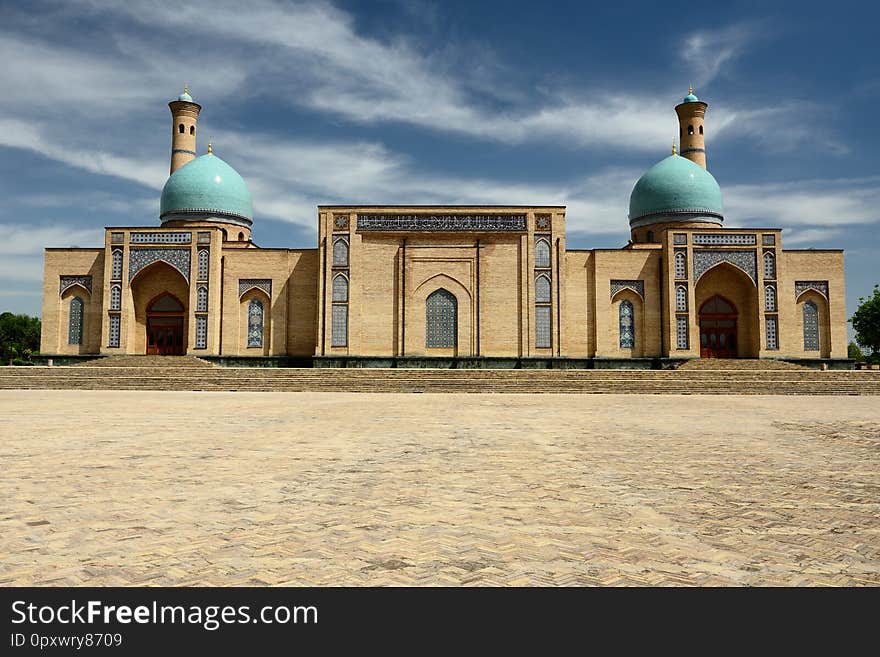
(146, 361)
(727, 364)
(179, 374)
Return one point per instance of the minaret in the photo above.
(185, 116)
(690, 120)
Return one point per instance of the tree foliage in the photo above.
(854, 352)
(19, 338)
(866, 322)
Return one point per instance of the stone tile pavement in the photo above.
(188, 488)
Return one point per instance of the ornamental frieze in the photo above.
(70, 281)
(745, 260)
(819, 286)
(442, 222)
(140, 258)
(637, 286)
(245, 284)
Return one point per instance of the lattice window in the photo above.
(542, 253)
(75, 321)
(202, 299)
(339, 328)
(769, 265)
(543, 328)
(441, 319)
(772, 332)
(255, 323)
(203, 264)
(116, 266)
(115, 321)
(340, 288)
(116, 298)
(681, 298)
(201, 332)
(681, 332)
(626, 316)
(680, 265)
(811, 327)
(542, 289)
(340, 253)
(160, 238)
(770, 298)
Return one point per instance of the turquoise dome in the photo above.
(690, 98)
(186, 97)
(207, 188)
(675, 189)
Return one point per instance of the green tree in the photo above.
(19, 337)
(866, 322)
(855, 353)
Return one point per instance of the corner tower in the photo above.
(185, 116)
(691, 112)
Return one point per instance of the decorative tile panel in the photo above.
(543, 327)
(115, 321)
(627, 328)
(117, 238)
(339, 325)
(543, 292)
(204, 238)
(725, 239)
(745, 260)
(772, 333)
(679, 238)
(542, 222)
(442, 222)
(681, 332)
(340, 222)
(802, 286)
(116, 298)
(255, 323)
(202, 268)
(140, 258)
(69, 281)
(75, 321)
(768, 240)
(116, 265)
(441, 319)
(636, 286)
(245, 284)
(160, 238)
(201, 332)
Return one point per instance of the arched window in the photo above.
(202, 299)
(203, 265)
(681, 298)
(542, 289)
(690, 129)
(811, 327)
(650, 237)
(180, 129)
(701, 129)
(75, 321)
(115, 298)
(542, 253)
(241, 237)
(340, 253)
(627, 325)
(192, 130)
(769, 265)
(340, 288)
(255, 323)
(770, 298)
(680, 265)
(441, 319)
(116, 265)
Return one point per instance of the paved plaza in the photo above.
(189, 488)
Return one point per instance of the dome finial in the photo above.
(210, 148)
(691, 88)
(674, 150)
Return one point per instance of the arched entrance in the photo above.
(718, 328)
(165, 315)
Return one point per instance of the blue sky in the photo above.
(436, 102)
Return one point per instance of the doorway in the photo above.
(718, 330)
(165, 315)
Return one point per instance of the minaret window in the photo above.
(181, 129)
(192, 130)
(701, 129)
(690, 129)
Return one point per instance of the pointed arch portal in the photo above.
(718, 335)
(165, 326)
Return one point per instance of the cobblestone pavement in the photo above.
(180, 488)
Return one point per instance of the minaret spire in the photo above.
(691, 113)
(184, 120)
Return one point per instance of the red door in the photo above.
(165, 326)
(718, 335)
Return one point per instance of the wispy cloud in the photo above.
(708, 52)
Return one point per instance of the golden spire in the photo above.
(674, 150)
(185, 88)
(210, 148)
(691, 88)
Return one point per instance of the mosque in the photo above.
(446, 286)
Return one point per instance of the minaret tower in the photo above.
(691, 113)
(185, 116)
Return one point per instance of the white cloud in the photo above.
(28, 240)
(707, 52)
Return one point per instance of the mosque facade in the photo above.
(458, 286)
